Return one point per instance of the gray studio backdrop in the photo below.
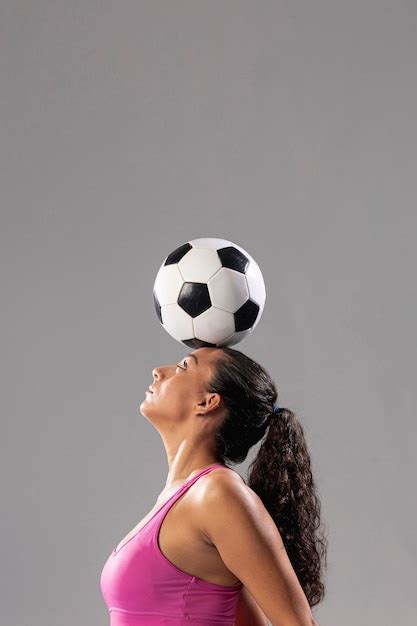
(128, 128)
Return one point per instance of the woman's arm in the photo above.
(235, 520)
(248, 612)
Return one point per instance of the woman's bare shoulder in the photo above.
(223, 474)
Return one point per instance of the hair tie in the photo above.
(273, 413)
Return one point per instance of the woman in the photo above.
(232, 552)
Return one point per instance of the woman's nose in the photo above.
(157, 373)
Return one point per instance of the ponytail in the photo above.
(281, 476)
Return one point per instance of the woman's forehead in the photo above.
(203, 355)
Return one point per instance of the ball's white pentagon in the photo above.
(228, 289)
(177, 322)
(199, 264)
(236, 337)
(256, 286)
(215, 243)
(213, 325)
(168, 283)
(212, 243)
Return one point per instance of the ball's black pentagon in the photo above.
(177, 254)
(157, 306)
(194, 298)
(197, 343)
(233, 258)
(245, 317)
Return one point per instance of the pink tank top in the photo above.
(141, 587)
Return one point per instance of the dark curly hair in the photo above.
(281, 472)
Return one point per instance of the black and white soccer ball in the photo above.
(209, 292)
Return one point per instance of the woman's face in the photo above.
(178, 390)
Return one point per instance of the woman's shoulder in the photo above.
(224, 474)
(221, 479)
(223, 486)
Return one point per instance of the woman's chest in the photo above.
(181, 542)
(162, 500)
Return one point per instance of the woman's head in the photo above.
(207, 386)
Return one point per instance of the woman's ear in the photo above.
(210, 402)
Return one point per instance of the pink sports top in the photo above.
(141, 587)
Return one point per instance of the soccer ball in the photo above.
(209, 292)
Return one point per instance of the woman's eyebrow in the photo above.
(194, 357)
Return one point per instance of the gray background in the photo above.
(128, 128)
